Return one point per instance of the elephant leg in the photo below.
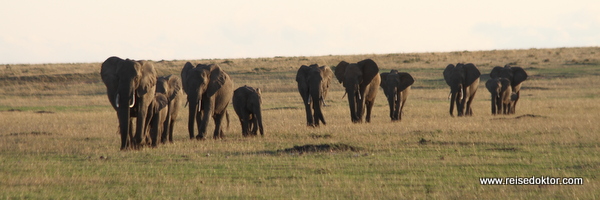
(254, 125)
(369, 105)
(514, 104)
(171, 126)
(165, 130)
(154, 130)
(218, 118)
(397, 105)
(307, 107)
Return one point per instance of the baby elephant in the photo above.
(246, 103)
(502, 95)
(159, 109)
(396, 85)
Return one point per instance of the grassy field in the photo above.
(59, 136)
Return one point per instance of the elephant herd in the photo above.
(137, 93)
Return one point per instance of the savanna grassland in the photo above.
(58, 136)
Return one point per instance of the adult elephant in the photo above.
(313, 83)
(209, 90)
(171, 87)
(130, 86)
(396, 86)
(516, 76)
(463, 80)
(501, 93)
(360, 80)
(246, 103)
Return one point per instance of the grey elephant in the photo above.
(501, 94)
(130, 87)
(209, 90)
(463, 80)
(171, 87)
(516, 76)
(246, 103)
(159, 111)
(313, 84)
(396, 86)
(361, 81)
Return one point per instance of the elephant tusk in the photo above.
(199, 105)
(133, 101)
(359, 97)
(117, 100)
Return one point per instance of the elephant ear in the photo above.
(148, 73)
(519, 75)
(496, 72)
(383, 79)
(108, 72)
(217, 79)
(448, 73)
(174, 83)
(327, 76)
(185, 72)
(369, 69)
(340, 70)
(471, 73)
(406, 80)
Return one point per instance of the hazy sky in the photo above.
(91, 31)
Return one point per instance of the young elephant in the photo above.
(159, 109)
(171, 87)
(396, 87)
(501, 94)
(246, 103)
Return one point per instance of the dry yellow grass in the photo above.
(72, 151)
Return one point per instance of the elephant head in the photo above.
(360, 80)
(130, 87)
(313, 83)
(516, 76)
(396, 87)
(209, 90)
(171, 87)
(247, 105)
(463, 80)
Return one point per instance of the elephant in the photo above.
(246, 103)
(516, 76)
(501, 94)
(361, 81)
(130, 87)
(209, 90)
(313, 84)
(171, 87)
(396, 86)
(159, 111)
(463, 80)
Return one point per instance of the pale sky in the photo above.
(91, 31)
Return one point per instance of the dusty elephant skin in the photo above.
(516, 76)
(501, 93)
(396, 86)
(313, 84)
(246, 103)
(209, 90)
(130, 87)
(463, 80)
(361, 81)
(171, 87)
(158, 112)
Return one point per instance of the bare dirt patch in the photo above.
(322, 148)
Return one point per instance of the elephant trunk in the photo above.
(193, 108)
(397, 102)
(353, 103)
(316, 100)
(452, 99)
(124, 115)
